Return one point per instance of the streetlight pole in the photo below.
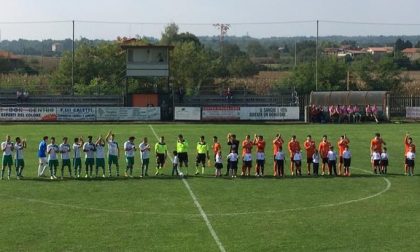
(72, 61)
(316, 56)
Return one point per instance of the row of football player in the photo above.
(325, 153)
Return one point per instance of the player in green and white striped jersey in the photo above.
(7, 147)
(19, 162)
(89, 148)
(52, 150)
(77, 160)
(129, 148)
(113, 152)
(100, 156)
(65, 149)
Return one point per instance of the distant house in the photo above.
(10, 56)
(57, 47)
(378, 51)
(412, 53)
(344, 51)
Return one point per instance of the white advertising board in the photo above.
(269, 113)
(220, 113)
(188, 113)
(412, 112)
(128, 113)
(76, 113)
(28, 114)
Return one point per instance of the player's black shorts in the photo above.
(218, 165)
(410, 162)
(183, 157)
(201, 158)
(376, 162)
(247, 163)
(260, 162)
(280, 163)
(341, 159)
(346, 161)
(309, 160)
(160, 159)
(233, 165)
(325, 160)
(384, 162)
(298, 162)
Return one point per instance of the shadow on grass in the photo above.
(208, 177)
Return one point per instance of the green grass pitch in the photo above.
(362, 213)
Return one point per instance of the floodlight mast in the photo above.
(223, 31)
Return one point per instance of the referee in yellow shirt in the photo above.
(202, 153)
(161, 151)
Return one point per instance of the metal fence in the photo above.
(398, 104)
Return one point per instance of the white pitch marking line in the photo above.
(198, 205)
(100, 209)
(388, 186)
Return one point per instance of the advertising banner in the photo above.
(412, 112)
(269, 113)
(220, 113)
(28, 114)
(128, 113)
(76, 113)
(188, 113)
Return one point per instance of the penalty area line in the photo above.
(197, 204)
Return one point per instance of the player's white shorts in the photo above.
(260, 156)
(247, 157)
(43, 160)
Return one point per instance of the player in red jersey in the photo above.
(277, 145)
(309, 146)
(323, 148)
(246, 156)
(293, 147)
(408, 142)
(342, 144)
(376, 146)
(259, 167)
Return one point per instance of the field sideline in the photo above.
(364, 212)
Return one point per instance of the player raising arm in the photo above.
(277, 146)
(113, 153)
(408, 142)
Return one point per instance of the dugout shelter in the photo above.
(358, 98)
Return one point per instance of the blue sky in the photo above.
(206, 12)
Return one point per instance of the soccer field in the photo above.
(364, 212)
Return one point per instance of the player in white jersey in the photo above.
(77, 160)
(113, 152)
(89, 149)
(19, 161)
(100, 156)
(53, 150)
(129, 148)
(7, 147)
(144, 148)
(65, 150)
